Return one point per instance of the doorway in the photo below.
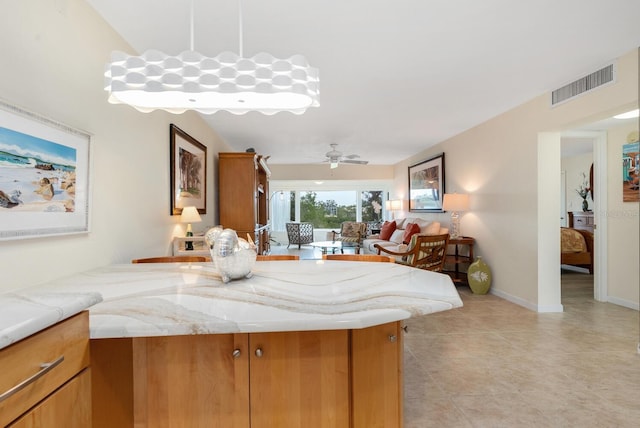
(549, 149)
(577, 164)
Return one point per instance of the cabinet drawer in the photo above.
(69, 340)
(582, 221)
(68, 407)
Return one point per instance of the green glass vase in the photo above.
(479, 276)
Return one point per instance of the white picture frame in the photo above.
(44, 176)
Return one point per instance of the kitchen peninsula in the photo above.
(301, 343)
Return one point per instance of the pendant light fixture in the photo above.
(192, 81)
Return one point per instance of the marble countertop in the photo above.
(28, 311)
(140, 300)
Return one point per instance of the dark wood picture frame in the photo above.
(188, 171)
(426, 185)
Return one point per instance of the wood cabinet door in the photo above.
(376, 371)
(191, 381)
(69, 406)
(299, 379)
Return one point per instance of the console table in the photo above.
(458, 258)
(199, 246)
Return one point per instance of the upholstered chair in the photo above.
(299, 233)
(351, 233)
(425, 252)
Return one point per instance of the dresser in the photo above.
(582, 220)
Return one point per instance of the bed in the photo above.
(576, 248)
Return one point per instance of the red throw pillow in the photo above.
(410, 230)
(387, 230)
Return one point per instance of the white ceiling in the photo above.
(396, 76)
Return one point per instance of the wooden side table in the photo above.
(453, 261)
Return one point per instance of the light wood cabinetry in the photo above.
(376, 373)
(243, 180)
(56, 360)
(336, 378)
(69, 407)
(300, 379)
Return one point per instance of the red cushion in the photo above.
(387, 230)
(410, 230)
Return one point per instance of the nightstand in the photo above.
(462, 255)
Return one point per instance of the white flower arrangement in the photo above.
(583, 189)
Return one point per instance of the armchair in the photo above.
(425, 252)
(351, 233)
(299, 233)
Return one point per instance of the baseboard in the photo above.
(622, 302)
(526, 304)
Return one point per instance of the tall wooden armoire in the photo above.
(243, 196)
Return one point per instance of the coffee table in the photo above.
(325, 246)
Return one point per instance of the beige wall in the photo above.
(323, 172)
(53, 56)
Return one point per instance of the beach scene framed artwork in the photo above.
(188, 166)
(44, 176)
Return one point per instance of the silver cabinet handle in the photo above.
(44, 369)
(392, 338)
(259, 352)
(236, 353)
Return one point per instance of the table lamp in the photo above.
(393, 205)
(455, 202)
(189, 215)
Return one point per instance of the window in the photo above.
(327, 204)
(371, 203)
(327, 209)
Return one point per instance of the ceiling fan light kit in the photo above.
(335, 157)
(230, 82)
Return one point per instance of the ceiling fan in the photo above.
(336, 157)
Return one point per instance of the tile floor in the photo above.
(496, 364)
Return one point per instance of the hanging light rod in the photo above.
(192, 81)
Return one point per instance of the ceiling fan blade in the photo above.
(357, 162)
(351, 156)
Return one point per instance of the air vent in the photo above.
(597, 78)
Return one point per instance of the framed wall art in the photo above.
(426, 185)
(631, 169)
(44, 176)
(188, 172)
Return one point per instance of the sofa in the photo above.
(401, 232)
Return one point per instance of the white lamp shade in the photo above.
(394, 205)
(190, 215)
(455, 202)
